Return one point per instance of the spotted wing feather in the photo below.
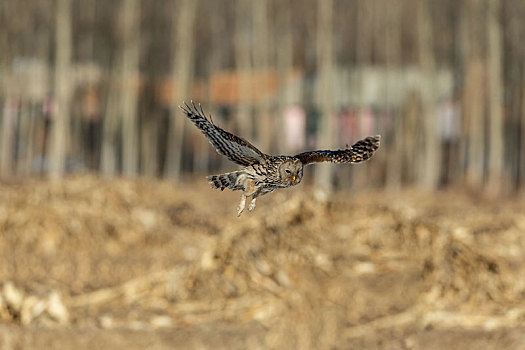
(358, 152)
(235, 148)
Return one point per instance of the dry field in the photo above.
(135, 264)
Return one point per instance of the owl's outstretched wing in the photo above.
(358, 152)
(235, 148)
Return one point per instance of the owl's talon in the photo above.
(252, 205)
(242, 204)
(239, 211)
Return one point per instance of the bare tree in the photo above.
(473, 100)
(261, 62)
(216, 53)
(363, 53)
(392, 41)
(429, 173)
(26, 128)
(495, 86)
(325, 63)
(243, 62)
(60, 127)
(6, 139)
(181, 78)
(108, 161)
(149, 133)
(522, 131)
(129, 84)
(284, 67)
(364, 37)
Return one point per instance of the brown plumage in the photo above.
(263, 173)
(358, 152)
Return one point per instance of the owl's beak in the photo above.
(293, 178)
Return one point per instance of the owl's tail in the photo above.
(228, 180)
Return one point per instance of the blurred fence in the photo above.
(93, 86)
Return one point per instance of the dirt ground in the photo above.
(89, 263)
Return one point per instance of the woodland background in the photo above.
(95, 85)
(110, 236)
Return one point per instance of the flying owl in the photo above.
(263, 173)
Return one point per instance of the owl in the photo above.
(263, 173)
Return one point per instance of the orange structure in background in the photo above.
(223, 87)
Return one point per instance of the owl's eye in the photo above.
(288, 171)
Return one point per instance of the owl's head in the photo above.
(291, 171)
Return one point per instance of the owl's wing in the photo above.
(235, 148)
(358, 152)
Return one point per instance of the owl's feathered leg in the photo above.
(253, 203)
(250, 189)
(261, 191)
(242, 204)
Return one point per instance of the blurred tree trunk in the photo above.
(6, 141)
(461, 37)
(84, 125)
(511, 19)
(108, 161)
(149, 146)
(325, 68)
(261, 61)
(411, 114)
(473, 101)
(243, 45)
(181, 78)
(284, 70)
(473, 113)
(522, 136)
(392, 12)
(428, 175)
(515, 31)
(8, 137)
(30, 144)
(201, 155)
(25, 139)
(61, 123)
(214, 64)
(363, 54)
(364, 35)
(149, 131)
(130, 29)
(495, 86)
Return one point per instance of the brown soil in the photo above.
(89, 263)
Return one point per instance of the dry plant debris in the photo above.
(149, 255)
